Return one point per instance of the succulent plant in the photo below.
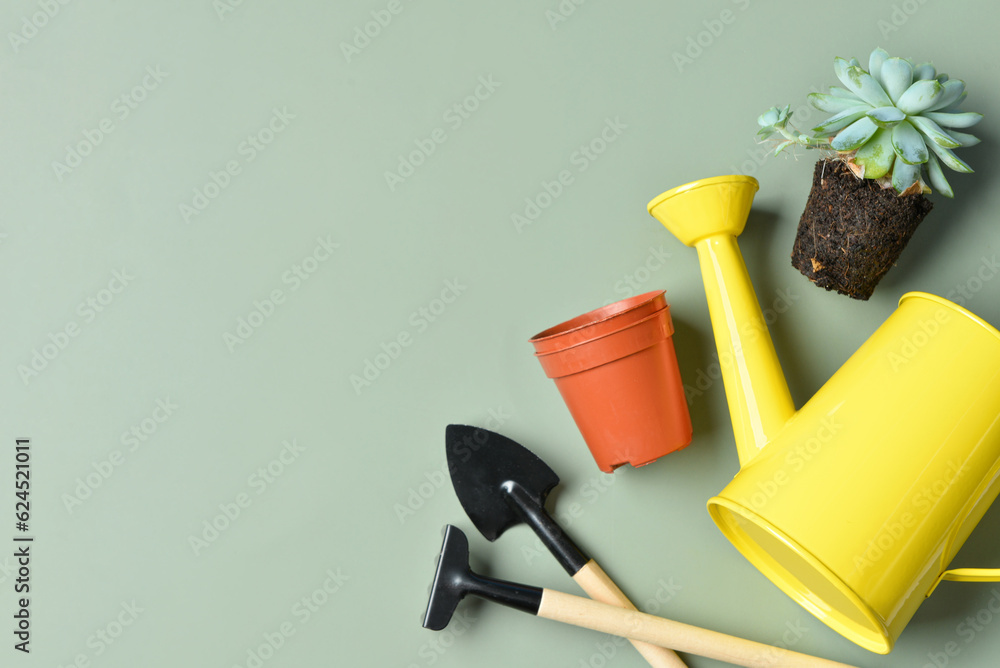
(888, 122)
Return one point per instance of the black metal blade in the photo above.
(482, 463)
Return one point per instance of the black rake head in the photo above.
(454, 579)
(449, 586)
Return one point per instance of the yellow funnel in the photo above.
(709, 214)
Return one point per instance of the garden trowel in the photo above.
(501, 483)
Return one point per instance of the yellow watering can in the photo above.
(855, 504)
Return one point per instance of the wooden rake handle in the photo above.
(605, 618)
(593, 580)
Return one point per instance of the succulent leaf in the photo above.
(924, 71)
(953, 120)
(951, 91)
(831, 103)
(840, 67)
(897, 75)
(864, 86)
(840, 121)
(837, 91)
(948, 157)
(934, 132)
(768, 118)
(941, 78)
(875, 60)
(938, 180)
(964, 139)
(908, 144)
(919, 96)
(877, 155)
(854, 135)
(886, 117)
(782, 146)
(954, 106)
(904, 175)
(774, 118)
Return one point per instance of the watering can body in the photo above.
(855, 504)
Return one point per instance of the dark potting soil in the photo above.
(852, 230)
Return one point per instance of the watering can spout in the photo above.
(709, 214)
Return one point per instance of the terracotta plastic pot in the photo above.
(622, 385)
(599, 321)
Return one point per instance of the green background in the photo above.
(365, 497)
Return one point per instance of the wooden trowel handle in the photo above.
(593, 580)
(635, 625)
